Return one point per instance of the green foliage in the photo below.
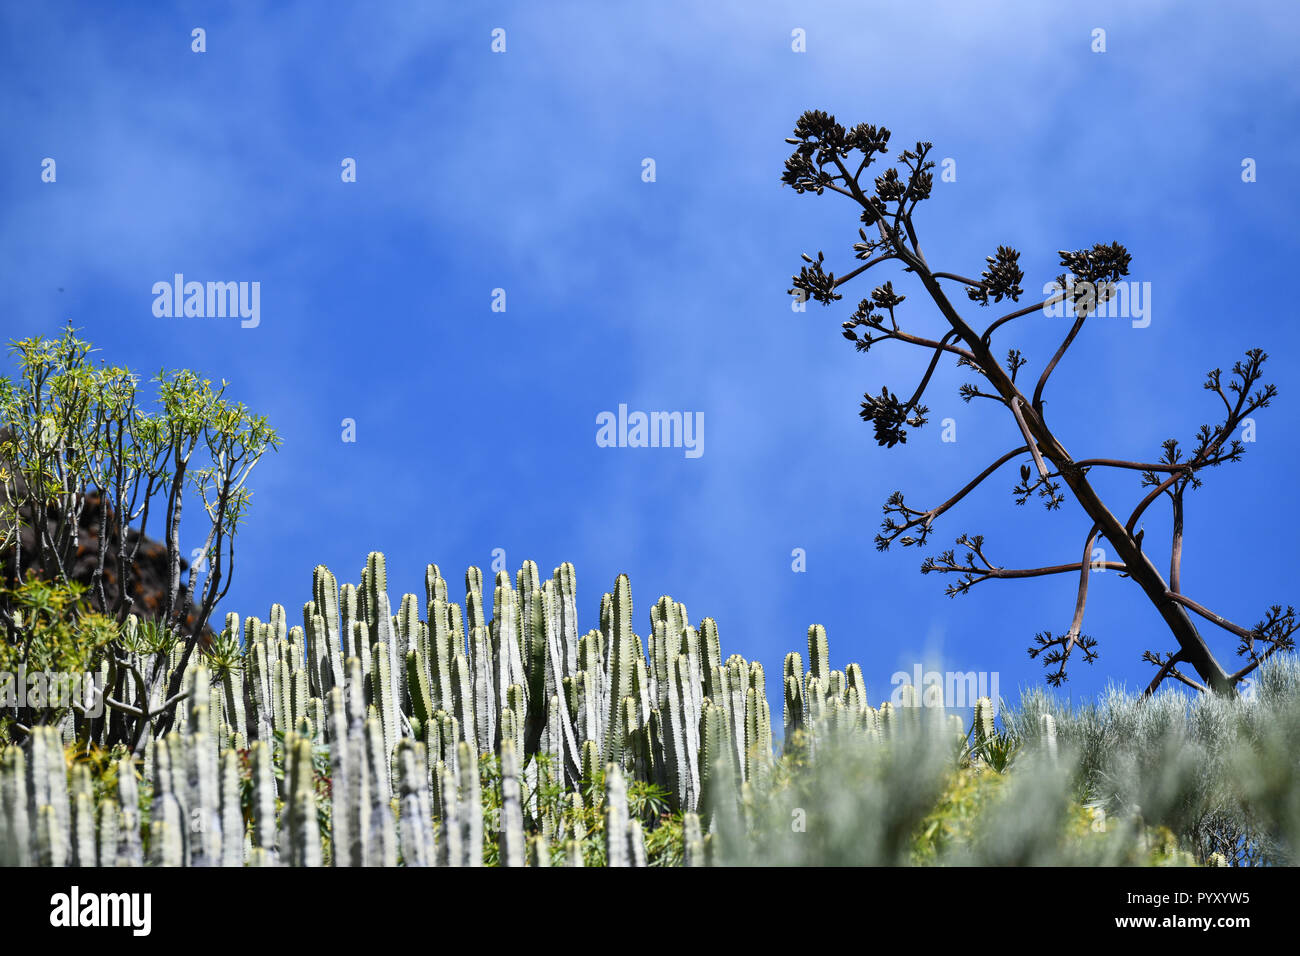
(53, 628)
(81, 443)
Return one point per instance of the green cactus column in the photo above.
(415, 833)
(1047, 731)
(352, 811)
(511, 836)
(325, 593)
(620, 664)
(983, 730)
(450, 829)
(16, 838)
(470, 799)
(539, 851)
(485, 706)
(681, 737)
(202, 769)
(130, 851)
(304, 832)
(109, 831)
(264, 796)
(692, 841)
(616, 831)
(232, 816)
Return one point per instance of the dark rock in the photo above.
(148, 579)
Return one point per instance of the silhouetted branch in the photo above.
(1090, 277)
(895, 505)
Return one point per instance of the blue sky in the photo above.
(522, 171)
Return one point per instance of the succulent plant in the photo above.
(450, 736)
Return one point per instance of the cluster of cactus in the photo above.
(397, 710)
(822, 703)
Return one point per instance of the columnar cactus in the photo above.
(793, 679)
(304, 844)
(408, 707)
(619, 667)
(15, 829)
(484, 682)
(416, 827)
(681, 735)
(450, 832)
(819, 654)
(983, 730)
(130, 851)
(232, 817)
(1047, 728)
(616, 820)
(512, 817)
(109, 833)
(692, 841)
(264, 796)
(470, 800)
(166, 832)
(539, 851)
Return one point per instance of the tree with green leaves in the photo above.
(77, 441)
(828, 157)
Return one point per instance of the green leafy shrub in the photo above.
(85, 461)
